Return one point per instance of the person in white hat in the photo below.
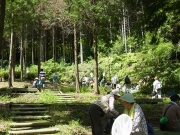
(101, 107)
(132, 109)
(35, 83)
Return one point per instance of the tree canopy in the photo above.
(44, 29)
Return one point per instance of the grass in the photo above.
(72, 118)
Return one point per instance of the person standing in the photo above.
(132, 109)
(114, 81)
(127, 83)
(101, 107)
(55, 80)
(173, 113)
(157, 86)
(42, 77)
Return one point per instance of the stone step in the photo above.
(27, 128)
(30, 124)
(24, 90)
(148, 101)
(28, 108)
(64, 96)
(66, 100)
(28, 112)
(28, 105)
(24, 93)
(20, 118)
(35, 131)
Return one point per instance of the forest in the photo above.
(75, 37)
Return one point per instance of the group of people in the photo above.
(104, 106)
(39, 82)
(115, 84)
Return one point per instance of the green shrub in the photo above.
(68, 89)
(17, 74)
(47, 97)
(5, 75)
(30, 76)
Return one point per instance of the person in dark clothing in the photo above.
(127, 80)
(101, 107)
(127, 83)
(173, 113)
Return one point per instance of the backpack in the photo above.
(40, 83)
(159, 86)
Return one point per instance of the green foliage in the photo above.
(5, 64)
(47, 96)
(30, 76)
(33, 72)
(5, 97)
(61, 68)
(148, 107)
(68, 89)
(1, 73)
(17, 74)
(5, 75)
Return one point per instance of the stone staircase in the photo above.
(31, 119)
(63, 97)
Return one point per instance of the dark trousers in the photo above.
(109, 125)
(96, 113)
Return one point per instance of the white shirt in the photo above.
(156, 85)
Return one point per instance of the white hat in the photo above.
(128, 98)
(36, 78)
(115, 92)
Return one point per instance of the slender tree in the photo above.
(2, 16)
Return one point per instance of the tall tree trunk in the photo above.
(11, 59)
(13, 56)
(25, 49)
(2, 54)
(81, 48)
(53, 44)
(32, 48)
(2, 15)
(124, 29)
(42, 46)
(96, 88)
(45, 45)
(22, 52)
(39, 49)
(76, 61)
(63, 47)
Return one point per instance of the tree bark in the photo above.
(2, 16)
(76, 61)
(96, 88)
(53, 44)
(11, 59)
(32, 44)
